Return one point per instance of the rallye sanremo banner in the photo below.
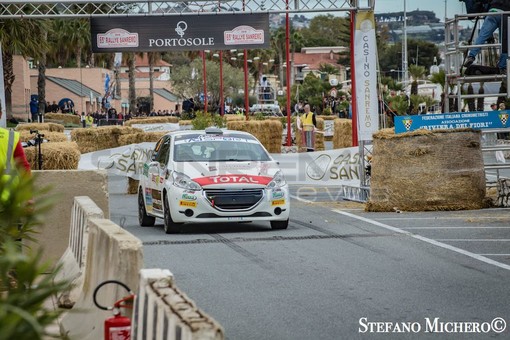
(326, 168)
(365, 56)
(179, 33)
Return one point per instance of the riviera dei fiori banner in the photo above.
(179, 33)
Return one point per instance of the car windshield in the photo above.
(218, 148)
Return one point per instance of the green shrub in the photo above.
(24, 282)
(205, 120)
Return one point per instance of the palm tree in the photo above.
(416, 72)
(132, 89)
(17, 37)
(278, 44)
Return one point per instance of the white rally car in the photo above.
(212, 175)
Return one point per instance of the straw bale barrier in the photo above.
(40, 126)
(50, 136)
(231, 117)
(342, 138)
(331, 117)
(427, 170)
(268, 132)
(132, 186)
(56, 156)
(135, 138)
(105, 137)
(319, 137)
(185, 122)
(152, 120)
(63, 117)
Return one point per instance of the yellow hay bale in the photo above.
(63, 117)
(268, 132)
(185, 122)
(56, 156)
(427, 170)
(41, 126)
(50, 136)
(136, 138)
(152, 120)
(342, 137)
(132, 186)
(235, 117)
(106, 137)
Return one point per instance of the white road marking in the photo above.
(427, 240)
(425, 228)
(472, 240)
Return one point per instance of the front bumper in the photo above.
(233, 205)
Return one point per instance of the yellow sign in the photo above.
(187, 204)
(278, 202)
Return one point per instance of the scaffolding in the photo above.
(483, 74)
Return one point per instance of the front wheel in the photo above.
(170, 226)
(143, 219)
(276, 225)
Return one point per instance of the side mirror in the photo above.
(153, 157)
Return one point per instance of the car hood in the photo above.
(232, 174)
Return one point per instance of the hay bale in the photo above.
(185, 122)
(152, 120)
(106, 137)
(136, 138)
(50, 136)
(41, 126)
(427, 170)
(342, 137)
(132, 186)
(234, 117)
(63, 117)
(56, 156)
(268, 132)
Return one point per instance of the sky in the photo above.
(438, 6)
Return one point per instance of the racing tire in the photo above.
(143, 219)
(169, 225)
(278, 225)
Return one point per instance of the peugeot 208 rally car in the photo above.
(209, 176)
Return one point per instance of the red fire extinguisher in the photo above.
(117, 327)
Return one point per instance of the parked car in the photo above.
(212, 175)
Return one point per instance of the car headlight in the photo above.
(278, 181)
(184, 182)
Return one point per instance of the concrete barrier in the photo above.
(66, 185)
(113, 254)
(164, 312)
(73, 261)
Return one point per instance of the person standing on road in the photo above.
(307, 124)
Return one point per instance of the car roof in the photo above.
(203, 132)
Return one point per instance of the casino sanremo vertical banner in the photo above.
(179, 33)
(365, 56)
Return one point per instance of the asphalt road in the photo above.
(337, 269)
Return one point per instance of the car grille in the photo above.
(234, 200)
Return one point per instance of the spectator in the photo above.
(489, 26)
(34, 109)
(307, 124)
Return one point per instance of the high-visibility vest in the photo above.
(8, 141)
(307, 121)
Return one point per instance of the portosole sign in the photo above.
(448, 121)
(178, 33)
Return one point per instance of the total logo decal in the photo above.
(233, 179)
